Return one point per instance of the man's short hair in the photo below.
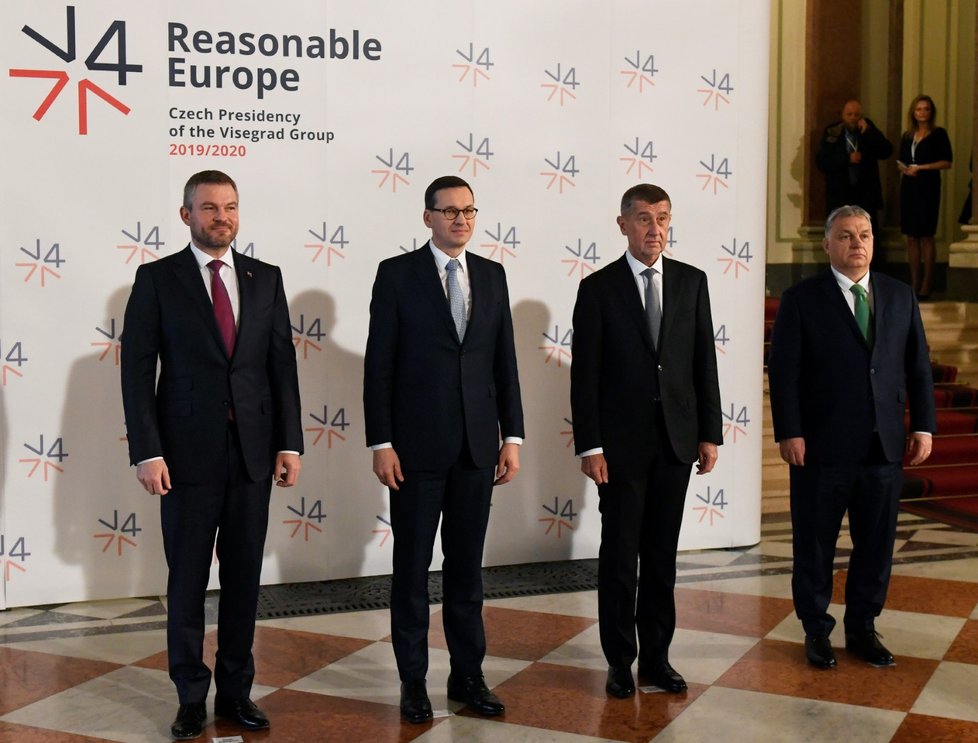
(445, 181)
(646, 192)
(210, 177)
(846, 211)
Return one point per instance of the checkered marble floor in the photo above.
(86, 672)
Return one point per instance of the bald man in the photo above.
(849, 155)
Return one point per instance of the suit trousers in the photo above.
(460, 497)
(820, 496)
(641, 509)
(235, 512)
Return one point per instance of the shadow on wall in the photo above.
(539, 519)
(324, 527)
(104, 521)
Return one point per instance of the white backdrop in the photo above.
(550, 109)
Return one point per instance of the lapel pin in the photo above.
(248, 274)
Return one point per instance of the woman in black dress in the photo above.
(925, 150)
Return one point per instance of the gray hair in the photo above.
(845, 211)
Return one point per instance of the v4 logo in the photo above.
(98, 60)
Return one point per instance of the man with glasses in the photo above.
(440, 388)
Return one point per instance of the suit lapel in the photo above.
(672, 288)
(479, 287)
(628, 291)
(837, 304)
(881, 315)
(246, 296)
(426, 272)
(187, 271)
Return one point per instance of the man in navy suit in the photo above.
(221, 423)
(440, 389)
(848, 352)
(646, 406)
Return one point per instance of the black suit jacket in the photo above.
(423, 390)
(170, 318)
(829, 387)
(615, 364)
(832, 159)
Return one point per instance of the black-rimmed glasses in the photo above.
(451, 213)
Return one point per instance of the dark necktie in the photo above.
(222, 306)
(652, 306)
(861, 311)
(455, 301)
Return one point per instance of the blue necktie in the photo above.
(455, 301)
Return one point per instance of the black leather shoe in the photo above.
(620, 682)
(415, 705)
(664, 676)
(242, 711)
(473, 691)
(818, 650)
(867, 646)
(190, 721)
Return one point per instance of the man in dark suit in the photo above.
(210, 436)
(440, 387)
(848, 350)
(646, 406)
(849, 156)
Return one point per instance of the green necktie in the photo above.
(863, 317)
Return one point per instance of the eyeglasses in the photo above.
(452, 213)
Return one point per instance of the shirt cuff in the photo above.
(513, 440)
(590, 452)
(385, 445)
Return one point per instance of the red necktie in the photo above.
(222, 306)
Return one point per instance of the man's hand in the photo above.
(862, 125)
(707, 457)
(919, 447)
(855, 157)
(154, 476)
(596, 467)
(508, 464)
(387, 467)
(286, 470)
(793, 450)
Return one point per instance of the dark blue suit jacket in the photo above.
(423, 390)
(170, 319)
(617, 370)
(829, 387)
